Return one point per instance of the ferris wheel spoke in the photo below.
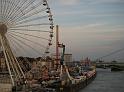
(13, 8)
(37, 51)
(8, 7)
(21, 48)
(4, 5)
(20, 11)
(42, 24)
(19, 45)
(16, 11)
(9, 4)
(33, 19)
(34, 7)
(1, 6)
(16, 46)
(30, 30)
(36, 43)
(29, 35)
(13, 44)
(28, 15)
(1, 3)
(30, 10)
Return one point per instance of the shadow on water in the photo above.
(106, 81)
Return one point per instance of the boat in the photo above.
(117, 68)
(72, 80)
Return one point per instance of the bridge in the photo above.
(110, 63)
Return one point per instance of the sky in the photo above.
(90, 28)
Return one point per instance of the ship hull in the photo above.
(74, 87)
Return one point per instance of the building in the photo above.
(68, 58)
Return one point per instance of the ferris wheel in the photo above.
(26, 28)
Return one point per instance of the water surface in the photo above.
(106, 81)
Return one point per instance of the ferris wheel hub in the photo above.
(3, 29)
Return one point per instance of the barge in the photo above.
(75, 84)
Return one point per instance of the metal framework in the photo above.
(25, 24)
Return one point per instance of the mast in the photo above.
(57, 45)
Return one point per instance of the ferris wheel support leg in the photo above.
(7, 62)
(15, 60)
(12, 65)
(17, 74)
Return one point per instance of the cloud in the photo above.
(93, 25)
(69, 2)
(89, 26)
(105, 1)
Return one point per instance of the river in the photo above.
(106, 81)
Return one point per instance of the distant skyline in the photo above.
(90, 28)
